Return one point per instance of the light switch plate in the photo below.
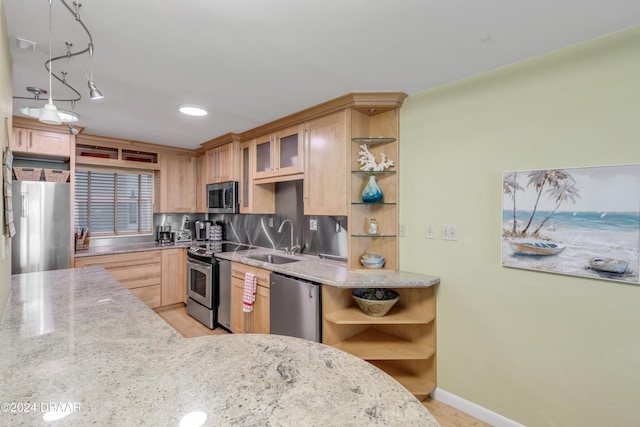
(430, 232)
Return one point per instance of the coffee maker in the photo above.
(202, 229)
(163, 234)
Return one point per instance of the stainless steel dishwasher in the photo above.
(295, 307)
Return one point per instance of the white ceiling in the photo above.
(253, 61)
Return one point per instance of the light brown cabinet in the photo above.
(93, 150)
(158, 277)
(201, 184)
(401, 343)
(177, 183)
(221, 163)
(325, 166)
(278, 156)
(140, 272)
(256, 321)
(174, 276)
(254, 198)
(41, 143)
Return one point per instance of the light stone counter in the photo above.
(132, 247)
(334, 273)
(78, 340)
(310, 267)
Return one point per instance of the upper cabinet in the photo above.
(221, 159)
(201, 184)
(279, 155)
(177, 178)
(325, 165)
(39, 143)
(254, 198)
(221, 163)
(93, 150)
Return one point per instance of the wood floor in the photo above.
(189, 327)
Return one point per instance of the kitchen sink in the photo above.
(272, 258)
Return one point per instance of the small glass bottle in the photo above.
(373, 226)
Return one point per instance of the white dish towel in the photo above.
(249, 293)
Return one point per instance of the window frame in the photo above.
(116, 201)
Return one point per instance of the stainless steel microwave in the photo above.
(222, 197)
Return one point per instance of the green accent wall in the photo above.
(541, 349)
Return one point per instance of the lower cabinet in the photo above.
(401, 343)
(174, 272)
(156, 277)
(256, 321)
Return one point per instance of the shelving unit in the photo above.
(385, 212)
(402, 343)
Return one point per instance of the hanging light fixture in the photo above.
(49, 113)
(94, 93)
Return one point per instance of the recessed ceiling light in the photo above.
(192, 110)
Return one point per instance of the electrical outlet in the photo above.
(313, 224)
(270, 222)
(403, 230)
(169, 219)
(430, 232)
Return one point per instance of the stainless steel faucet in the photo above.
(293, 248)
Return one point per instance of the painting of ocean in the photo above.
(577, 221)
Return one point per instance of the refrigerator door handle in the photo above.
(25, 205)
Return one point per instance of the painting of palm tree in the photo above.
(576, 221)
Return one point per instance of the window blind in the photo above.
(114, 203)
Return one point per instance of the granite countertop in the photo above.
(310, 267)
(77, 340)
(131, 247)
(330, 272)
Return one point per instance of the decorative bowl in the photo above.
(375, 302)
(372, 260)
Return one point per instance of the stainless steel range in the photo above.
(209, 297)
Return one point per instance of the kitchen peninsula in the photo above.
(77, 339)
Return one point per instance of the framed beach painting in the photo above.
(576, 221)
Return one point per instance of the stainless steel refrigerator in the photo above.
(41, 215)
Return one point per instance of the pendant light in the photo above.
(94, 93)
(49, 113)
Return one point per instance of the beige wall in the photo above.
(539, 348)
(6, 93)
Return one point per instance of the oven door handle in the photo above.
(197, 265)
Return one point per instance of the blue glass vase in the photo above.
(372, 192)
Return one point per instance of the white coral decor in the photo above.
(368, 161)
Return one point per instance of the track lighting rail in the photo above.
(75, 11)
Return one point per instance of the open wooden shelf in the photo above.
(396, 316)
(373, 344)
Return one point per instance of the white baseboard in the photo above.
(476, 411)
